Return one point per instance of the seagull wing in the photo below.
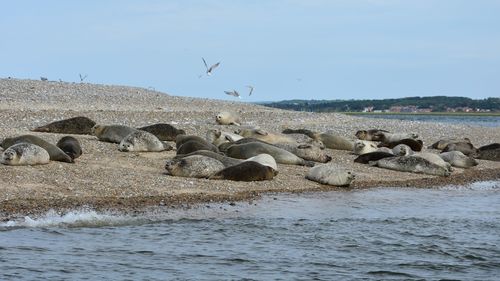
(205, 63)
(213, 67)
(251, 90)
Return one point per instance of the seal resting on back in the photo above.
(246, 171)
(163, 131)
(329, 140)
(76, 125)
(25, 154)
(55, 153)
(71, 146)
(112, 133)
(330, 174)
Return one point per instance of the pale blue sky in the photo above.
(309, 49)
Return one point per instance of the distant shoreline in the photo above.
(469, 114)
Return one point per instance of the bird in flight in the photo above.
(251, 90)
(211, 68)
(233, 93)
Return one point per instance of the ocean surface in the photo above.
(445, 233)
(483, 121)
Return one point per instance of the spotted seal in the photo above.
(194, 166)
(247, 150)
(363, 146)
(112, 133)
(142, 141)
(21, 154)
(55, 153)
(458, 159)
(272, 138)
(226, 161)
(76, 125)
(411, 164)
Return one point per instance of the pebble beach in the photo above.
(104, 178)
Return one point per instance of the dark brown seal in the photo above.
(246, 171)
(163, 131)
(77, 125)
(70, 146)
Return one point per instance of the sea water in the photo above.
(445, 233)
(472, 120)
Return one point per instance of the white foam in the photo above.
(480, 186)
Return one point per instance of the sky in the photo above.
(288, 49)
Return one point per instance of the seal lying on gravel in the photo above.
(458, 159)
(434, 158)
(227, 118)
(372, 156)
(55, 153)
(329, 140)
(466, 148)
(264, 159)
(71, 146)
(330, 174)
(369, 135)
(163, 131)
(247, 150)
(402, 150)
(411, 164)
(489, 152)
(415, 145)
(194, 166)
(268, 137)
(387, 137)
(442, 143)
(76, 125)
(25, 154)
(226, 161)
(362, 147)
(142, 141)
(218, 137)
(246, 171)
(112, 133)
(307, 151)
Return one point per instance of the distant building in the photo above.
(368, 109)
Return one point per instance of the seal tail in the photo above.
(306, 132)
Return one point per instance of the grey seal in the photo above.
(76, 125)
(194, 166)
(112, 133)
(55, 153)
(330, 174)
(25, 154)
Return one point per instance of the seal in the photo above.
(489, 152)
(226, 161)
(458, 159)
(434, 158)
(246, 171)
(363, 146)
(442, 143)
(372, 156)
(369, 135)
(21, 154)
(307, 151)
(411, 164)
(329, 140)
(264, 159)
(194, 166)
(142, 141)
(227, 118)
(330, 174)
(112, 133)
(71, 146)
(466, 148)
(247, 150)
(218, 137)
(194, 145)
(163, 131)
(55, 153)
(415, 145)
(80, 125)
(268, 137)
(402, 150)
(387, 137)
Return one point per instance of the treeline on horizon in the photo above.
(435, 103)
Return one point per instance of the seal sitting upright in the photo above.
(76, 125)
(25, 154)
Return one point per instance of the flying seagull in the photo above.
(251, 90)
(211, 68)
(233, 93)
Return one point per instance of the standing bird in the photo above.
(211, 68)
(251, 90)
(233, 93)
